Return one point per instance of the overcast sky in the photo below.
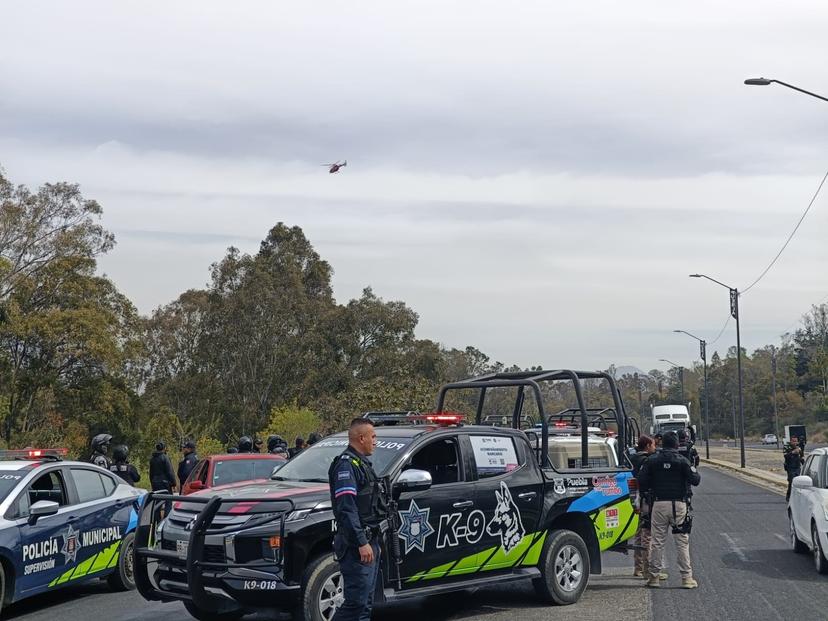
(536, 179)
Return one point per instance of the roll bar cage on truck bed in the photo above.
(581, 416)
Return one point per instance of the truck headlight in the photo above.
(298, 515)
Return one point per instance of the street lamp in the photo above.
(681, 375)
(703, 353)
(766, 82)
(734, 312)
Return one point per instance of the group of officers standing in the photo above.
(666, 474)
(161, 473)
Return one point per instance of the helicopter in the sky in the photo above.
(334, 168)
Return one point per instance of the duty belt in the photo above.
(376, 530)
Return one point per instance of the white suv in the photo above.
(808, 509)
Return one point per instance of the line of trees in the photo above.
(263, 348)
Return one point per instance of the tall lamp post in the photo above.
(767, 82)
(681, 375)
(734, 312)
(703, 354)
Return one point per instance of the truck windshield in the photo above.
(312, 464)
(235, 470)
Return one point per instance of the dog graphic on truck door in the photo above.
(506, 521)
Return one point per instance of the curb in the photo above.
(766, 480)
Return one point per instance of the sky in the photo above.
(535, 179)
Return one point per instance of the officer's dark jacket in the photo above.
(161, 471)
(689, 452)
(355, 495)
(185, 467)
(793, 459)
(99, 459)
(127, 472)
(637, 461)
(667, 475)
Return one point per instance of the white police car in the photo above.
(62, 523)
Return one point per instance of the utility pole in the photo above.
(773, 388)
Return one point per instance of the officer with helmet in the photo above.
(245, 444)
(100, 448)
(121, 465)
(667, 476)
(276, 445)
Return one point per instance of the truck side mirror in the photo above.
(412, 480)
(803, 481)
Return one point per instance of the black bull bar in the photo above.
(145, 551)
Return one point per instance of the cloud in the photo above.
(534, 179)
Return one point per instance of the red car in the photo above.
(231, 468)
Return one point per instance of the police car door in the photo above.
(509, 492)
(429, 520)
(48, 547)
(101, 520)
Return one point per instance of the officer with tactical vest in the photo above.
(360, 511)
(666, 477)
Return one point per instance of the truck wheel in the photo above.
(797, 545)
(564, 567)
(322, 590)
(206, 615)
(123, 578)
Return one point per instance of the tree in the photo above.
(65, 331)
(39, 228)
(291, 421)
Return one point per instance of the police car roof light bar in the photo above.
(444, 418)
(54, 454)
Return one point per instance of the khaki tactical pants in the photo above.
(643, 536)
(662, 521)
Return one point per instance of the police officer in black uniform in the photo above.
(186, 465)
(667, 477)
(686, 448)
(121, 465)
(245, 445)
(100, 447)
(162, 477)
(276, 445)
(794, 458)
(360, 511)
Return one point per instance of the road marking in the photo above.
(781, 538)
(734, 547)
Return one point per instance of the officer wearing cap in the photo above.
(667, 477)
(186, 465)
(360, 512)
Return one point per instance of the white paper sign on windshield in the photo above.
(493, 455)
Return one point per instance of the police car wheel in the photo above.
(820, 562)
(206, 615)
(322, 590)
(797, 545)
(123, 578)
(564, 567)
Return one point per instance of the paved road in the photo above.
(739, 548)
